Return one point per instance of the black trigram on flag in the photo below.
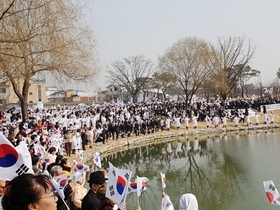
(126, 176)
(22, 170)
(112, 190)
(114, 172)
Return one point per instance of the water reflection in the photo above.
(222, 171)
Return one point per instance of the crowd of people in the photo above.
(34, 192)
(70, 129)
(60, 132)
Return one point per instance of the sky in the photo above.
(125, 28)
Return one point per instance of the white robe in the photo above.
(76, 141)
(188, 202)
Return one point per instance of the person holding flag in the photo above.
(91, 201)
(187, 201)
(63, 192)
(166, 203)
(105, 203)
(79, 191)
(29, 191)
(117, 186)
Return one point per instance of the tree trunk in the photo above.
(23, 100)
(163, 95)
(224, 96)
(24, 111)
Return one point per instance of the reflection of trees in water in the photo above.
(204, 171)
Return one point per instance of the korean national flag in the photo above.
(97, 160)
(118, 182)
(62, 180)
(271, 192)
(80, 155)
(14, 161)
(141, 181)
(163, 180)
(132, 187)
(80, 167)
(56, 188)
(39, 150)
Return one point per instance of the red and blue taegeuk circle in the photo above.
(133, 185)
(120, 185)
(8, 155)
(80, 166)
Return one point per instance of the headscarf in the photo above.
(188, 201)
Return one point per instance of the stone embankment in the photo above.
(123, 144)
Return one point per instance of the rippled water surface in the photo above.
(225, 173)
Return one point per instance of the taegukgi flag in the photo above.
(97, 160)
(14, 161)
(133, 185)
(56, 188)
(271, 192)
(118, 182)
(80, 167)
(78, 176)
(80, 155)
(163, 180)
(62, 180)
(39, 150)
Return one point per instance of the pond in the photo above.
(225, 172)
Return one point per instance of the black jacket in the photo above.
(90, 201)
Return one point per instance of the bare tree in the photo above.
(52, 40)
(163, 81)
(227, 62)
(185, 60)
(246, 75)
(5, 7)
(278, 73)
(132, 74)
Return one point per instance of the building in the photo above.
(36, 93)
(50, 90)
(116, 92)
(4, 93)
(77, 96)
(57, 97)
(84, 96)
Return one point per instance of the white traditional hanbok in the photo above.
(167, 123)
(194, 120)
(265, 118)
(208, 121)
(271, 117)
(216, 121)
(235, 121)
(76, 141)
(256, 118)
(224, 119)
(186, 120)
(177, 122)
